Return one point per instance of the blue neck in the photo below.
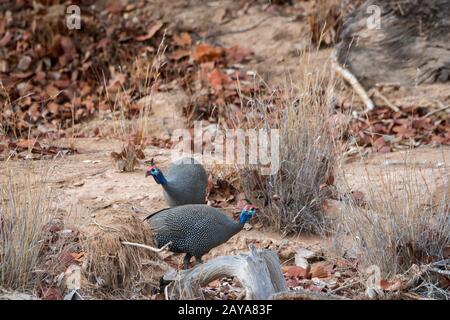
(160, 179)
(242, 219)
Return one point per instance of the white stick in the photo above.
(147, 247)
(350, 78)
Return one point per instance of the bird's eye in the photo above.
(153, 170)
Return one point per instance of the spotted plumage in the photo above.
(184, 183)
(195, 229)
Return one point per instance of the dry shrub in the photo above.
(26, 208)
(400, 224)
(291, 200)
(325, 22)
(113, 268)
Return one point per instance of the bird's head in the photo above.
(247, 213)
(156, 173)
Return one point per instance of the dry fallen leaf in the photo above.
(205, 53)
(77, 256)
(296, 271)
(390, 286)
(237, 54)
(217, 79)
(151, 32)
(321, 269)
(446, 252)
(183, 39)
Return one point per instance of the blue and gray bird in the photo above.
(195, 229)
(185, 182)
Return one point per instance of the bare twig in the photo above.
(351, 79)
(436, 111)
(147, 247)
(102, 227)
(348, 284)
(444, 272)
(139, 210)
(414, 296)
(385, 100)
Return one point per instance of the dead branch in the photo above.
(443, 272)
(259, 272)
(353, 81)
(147, 247)
(442, 108)
(104, 228)
(385, 100)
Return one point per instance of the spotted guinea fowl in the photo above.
(185, 182)
(195, 229)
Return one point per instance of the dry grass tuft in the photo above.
(400, 224)
(291, 200)
(133, 131)
(26, 208)
(113, 268)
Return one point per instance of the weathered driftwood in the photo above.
(411, 45)
(259, 273)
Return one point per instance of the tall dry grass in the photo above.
(26, 208)
(405, 219)
(291, 200)
(115, 269)
(131, 119)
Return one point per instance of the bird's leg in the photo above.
(186, 260)
(198, 260)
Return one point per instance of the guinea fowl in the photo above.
(195, 229)
(185, 182)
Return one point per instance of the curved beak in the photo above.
(147, 173)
